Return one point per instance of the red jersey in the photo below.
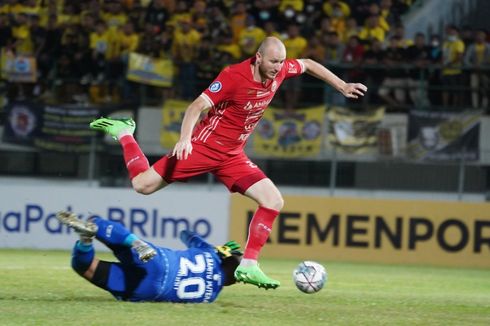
(237, 104)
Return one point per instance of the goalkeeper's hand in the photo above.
(228, 249)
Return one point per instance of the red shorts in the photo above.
(236, 172)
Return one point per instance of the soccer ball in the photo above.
(310, 276)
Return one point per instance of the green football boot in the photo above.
(254, 275)
(114, 127)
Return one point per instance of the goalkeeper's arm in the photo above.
(193, 240)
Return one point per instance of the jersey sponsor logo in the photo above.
(292, 68)
(262, 93)
(252, 165)
(215, 87)
(248, 106)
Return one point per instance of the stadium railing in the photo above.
(330, 169)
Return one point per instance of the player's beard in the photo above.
(266, 74)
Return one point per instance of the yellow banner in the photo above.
(172, 115)
(150, 71)
(18, 68)
(296, 134)
(386, 231)
(352, 130)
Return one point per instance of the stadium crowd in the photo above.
(83, 46)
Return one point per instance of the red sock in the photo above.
(136, 161)
(258, 231)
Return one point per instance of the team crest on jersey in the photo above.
(274, 86)
(292, 68)
(215, 87)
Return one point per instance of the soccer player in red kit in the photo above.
(236, 101)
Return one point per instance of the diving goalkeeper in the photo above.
(146, 272)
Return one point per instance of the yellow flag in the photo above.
(289, 134)
(150, 71)
(172, 115)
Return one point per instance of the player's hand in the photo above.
(182, 149)
(353, 90)
(228, 249)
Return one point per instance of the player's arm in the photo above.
(193, 240)
(351, 90)
(183, 148)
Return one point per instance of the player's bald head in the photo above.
(271, 45)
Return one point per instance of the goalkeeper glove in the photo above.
(228, 249)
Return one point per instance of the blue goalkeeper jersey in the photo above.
(193, 275)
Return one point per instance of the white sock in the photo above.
(124, 133)
(248, 262)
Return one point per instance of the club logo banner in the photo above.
(172, 115)
(62, 128)
(289, 134)
(150, 71)
(436, 135)
(354, 131)
(18, 68)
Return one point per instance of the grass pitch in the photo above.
(39, 288)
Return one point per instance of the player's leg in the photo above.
(242, 176)
(112, 234)
(270, 201)
(143, 178)
(124, 282)
(83, 259)
(119, 239)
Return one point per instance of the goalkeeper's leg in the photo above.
(110, 233)
(114, 235)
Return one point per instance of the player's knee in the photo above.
(142, 187)
(279, 204)
(275, 202)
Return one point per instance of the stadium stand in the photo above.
(82, 50)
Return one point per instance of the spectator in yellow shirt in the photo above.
(22, 35)
(114, 16)
(271, 30)
(127, 41)
(452, 75)
(226, 44)
(331, 5)
(30, 8)
(478, 56)
(374, 9)
(337, 19)
(185, 50)
(296, 5)
(238, 20)
(99, 45)
(250, 38)
(295, 47)
(351, 29)
(372, 30)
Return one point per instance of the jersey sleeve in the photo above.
(220, 89)
(293, 67)
(193, 240)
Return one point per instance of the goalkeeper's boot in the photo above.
(87, 230)
(114, 127)
(144, 250)
(254, 275)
